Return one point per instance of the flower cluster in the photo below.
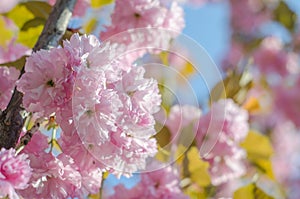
(219, 133)
(144, 14)
(103, 108)
(14, 173)
(162, 183)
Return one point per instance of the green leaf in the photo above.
(38, 9)
(284, 15)
(100, 3)
(5, 33)
(18, 64)
(198, 168)
(251, 191)
(32, 23)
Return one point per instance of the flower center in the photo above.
(50, 83)
(137, 15)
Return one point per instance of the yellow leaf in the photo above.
(257, 146)
(250, 191)
(30, 36)
(259, 150)
(244, 192)
(100, 3)
(198, 168)
(56, 145)
(94, 196)
(105, 175)
(179, 155)
(5, 33)
(264, 166)
(163, 155)
(90, 26)
(164, 57)
(195, 194)
(20, 15)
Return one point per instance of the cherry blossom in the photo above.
(15, 173)
(8, 78)
(143, 14)
(163, 183)
(219, 133)
(270, 57)
(7, 5)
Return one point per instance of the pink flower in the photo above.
(15, 173)
(251, 18)
(143, 14)
(114, 120)
(287, 100)
(286, 159)
(234, 56)
(159, 184)
(12, 51)
(270, 57)
(181, 117)
(218, 136)
(46, 81)
(8, 78)
(53, 177)
(37, 145)
(7, 5)
(138, 14)
(108, 104)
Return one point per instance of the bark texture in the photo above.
(11, 120)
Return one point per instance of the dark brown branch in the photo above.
(11, 120)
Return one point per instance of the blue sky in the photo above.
(209, 26)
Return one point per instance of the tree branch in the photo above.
(11, 120)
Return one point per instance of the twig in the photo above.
(11, 121)
(25, 139)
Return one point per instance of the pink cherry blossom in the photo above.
(287, 101)
(234, 56)
(159, 184)
(12, 51)
(270, 57)
(252, 16)
(286, 159)
(180, 117)
(15, 173)
(107, 106)
(89, 167)
(219, 133)
(53, 177)
(7, 5)
(46, 81)
(8, 78)
(116, 118)
(143, 14)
